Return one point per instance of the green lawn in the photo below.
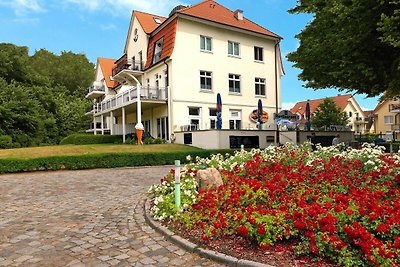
(65, 150)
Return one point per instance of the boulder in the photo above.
(208, 178)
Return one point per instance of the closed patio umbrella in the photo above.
(259, 114)
(219, 112)
(308, 116)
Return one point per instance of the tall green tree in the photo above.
(328, 113)
(351, 45)
(42, 97)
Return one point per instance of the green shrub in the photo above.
(86, 139)
(6, 141)
(109, 160)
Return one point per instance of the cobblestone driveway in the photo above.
(83, 218)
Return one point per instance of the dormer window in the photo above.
(158, 50)
(157, 20)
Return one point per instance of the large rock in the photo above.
(208, 178)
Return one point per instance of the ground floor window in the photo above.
(147, 126)
(162, 128)
(213, 117)
(194, 118)
(235, 119)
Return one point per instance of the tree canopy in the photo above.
(328, 113)
(42, 97)
(351, 45)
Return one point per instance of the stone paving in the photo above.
(83, 218)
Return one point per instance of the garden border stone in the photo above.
(193, 248)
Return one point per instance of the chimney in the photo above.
(238, 14)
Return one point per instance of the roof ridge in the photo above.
(149, 14)
(106, 58)
(190, 6)
(325, 97)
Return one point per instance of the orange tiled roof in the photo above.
(212, 11)
(168, 33)
(106, 65)
(341, 101)
(147, 21)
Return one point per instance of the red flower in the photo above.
(383, 228)
(261, 229)
(242, 230)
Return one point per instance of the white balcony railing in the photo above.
(130, 96)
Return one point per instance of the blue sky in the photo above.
(98, 28)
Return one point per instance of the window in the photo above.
(194, 118)
(205, 43)
(235, 120)
(388, 119)
(147, 126)
(260, 86)
(162, 128)
(213, 117)
(206, 80)
(233, 49)
(258, 53)
(350, 114)
(234, 83)
(157, 20)
(158, 50)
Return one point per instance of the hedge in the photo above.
(109, 160)
(87, 139)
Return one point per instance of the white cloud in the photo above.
(118, 7)
(288, 105)
(108, 27)
(23, 7)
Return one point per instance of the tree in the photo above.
(351, 45)
(328, 113)
(42, 96)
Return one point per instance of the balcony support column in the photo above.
(94, 125)
(102, 124)
(112, 123)
(123, 125)
(169, 101)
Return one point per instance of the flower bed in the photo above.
(343, 206)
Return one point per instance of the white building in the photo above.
(179, 64)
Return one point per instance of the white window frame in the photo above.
(205, 40)
(234, 78)
(206, 75)
(212, 118)
(257, 50)
(259, 83)
(233, 52)
(235, 116)
(194, 117)
(388, 119)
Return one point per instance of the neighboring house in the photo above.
(387, 118)
(180, 63)
(347, 103)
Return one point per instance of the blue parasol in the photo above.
(219, 112)
(259, 114)
(308, 116)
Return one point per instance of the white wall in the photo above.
(188, 60)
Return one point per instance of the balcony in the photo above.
(395, 108)
(125, 69)
(360, 120)
(396, 128)
(148, 95)
(95, 90)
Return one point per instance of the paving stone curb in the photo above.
(191, 247)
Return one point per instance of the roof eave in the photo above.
(229, 27)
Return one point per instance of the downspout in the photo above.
(169, 101)
(276, 92)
